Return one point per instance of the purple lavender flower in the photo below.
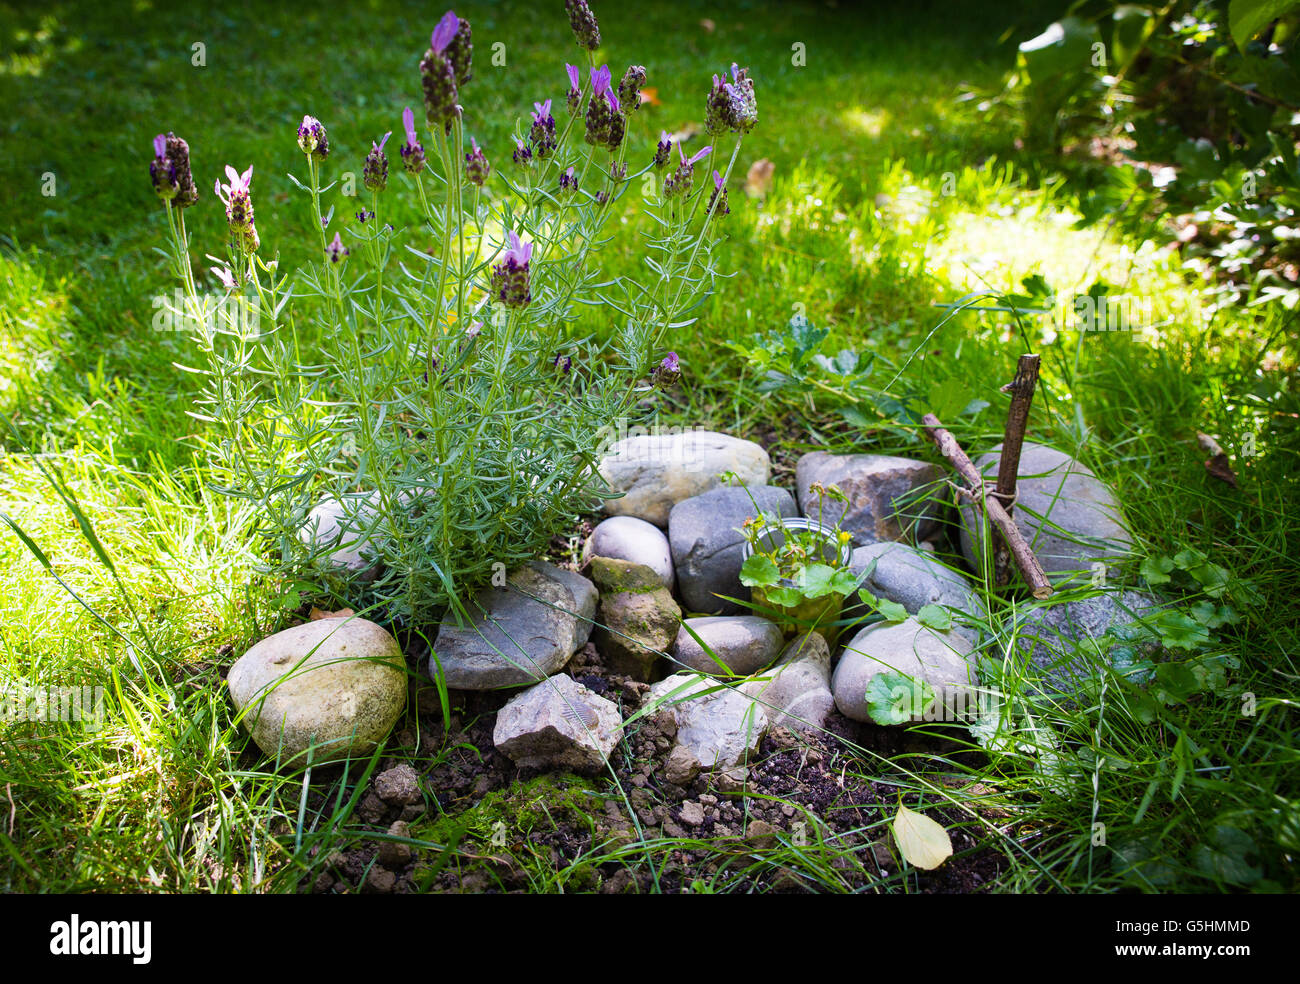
(731, 105)
(510, 277)
(336, 250)
(666, 372)
(374, 173)
(584, 25)
(605, 125)
(438, 75)
(617, 171)
(459, 51)
(473, 330)
(662, 150)
(542, 132)
(563, 364)
(364, 216)
(568, 181)
(523, 155)
(412, 151)
(477, 167)
(239, 207)
(169, 171)
(312, 139)
(162, 171)
(223, 273)
(629, 89)
(720, 196)
(680, 181)
(575, 88)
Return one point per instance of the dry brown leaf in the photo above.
(759, 178)
(316, 614)
(649, 96)
(708, 25)
(689, 132)
(1217, 464)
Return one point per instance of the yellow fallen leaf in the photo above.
(649, 96)
(923, 842)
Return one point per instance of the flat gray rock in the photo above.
(656, 471)
(745, 643)
(634, 540)
(337, 683)
(915, 578)
(1059, 640)
(884, 501)
(520, 633)
(718, 727)
(558, 724)
(1065, 513)
(704, 534)
(796, 693)
(941, 659)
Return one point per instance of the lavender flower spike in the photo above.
(312, 139)
(510, 277)
(583, 22)
(680, 181)
(239, 207)
(477, 167)
(412, 151)
(162, 171)
(662, 151)
(336, 250)
(666, 372)
(575, 87)
(605, 124)
(542, 132)
(374, 173)
(438, 75)
(719, 196)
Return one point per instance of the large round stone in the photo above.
(1065, 513)
(742, 644)
(634, 540)
(888, 497)
(338, 684)
(704, 533)
(655, 471)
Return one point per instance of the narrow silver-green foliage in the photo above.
(452, 410)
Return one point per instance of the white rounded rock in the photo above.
(338, 684)
(634, 540)
(941, 659)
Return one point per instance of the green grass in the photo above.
(856, 231)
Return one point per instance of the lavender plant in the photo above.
(450, 420)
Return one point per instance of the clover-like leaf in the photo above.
(759, 570)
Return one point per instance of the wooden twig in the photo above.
(1023, 556)
(1013, 438)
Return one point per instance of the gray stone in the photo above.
(1059, 640)
(656, 471)
(637, 619)
(797, 693)
(915, 578)
(884, 493)
(337, 683)
(558, 724)
(1065, 513)
(745, 643)
(704, 533)
(520, 633)
(941, 659)
(720, 729)
(631, 539)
